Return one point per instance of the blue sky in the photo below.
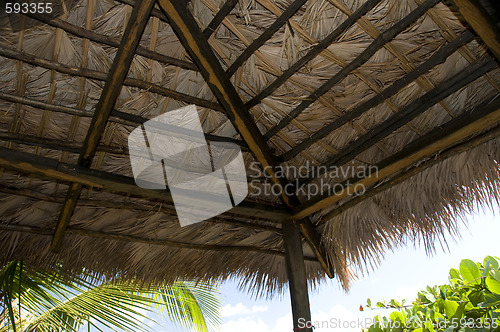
(400, 275)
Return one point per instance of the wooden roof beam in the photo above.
(481, 22)
(265, 36)
(436, 59)
(110, 41)
(112, 88)
(406, 174)
(117, 184)
(219, 17)
(443, 137)
(197, 46)
(376, 45)
(406, 114)
(313, 52)
(101, 76)
(116, 116)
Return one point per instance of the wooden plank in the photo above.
(436, 59)
(117, 184)
(440, 138)
(376, 45)
(219, 17)
(101, 76)
(112, 88)
(407, 174)
(191, 37)
(265, 36)
(297, 278)
(406, 114)
(110, 41)
(136, 239)
(313, 52)
(481, 22)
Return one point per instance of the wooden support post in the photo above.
(297, 279)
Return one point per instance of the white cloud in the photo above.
(240, 309)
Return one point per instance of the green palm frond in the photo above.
(49, 302)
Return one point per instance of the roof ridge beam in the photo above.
(436, 59)
(265, 36)
(376, 45)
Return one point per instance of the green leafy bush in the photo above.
(470, 302)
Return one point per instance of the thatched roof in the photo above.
(404, 85)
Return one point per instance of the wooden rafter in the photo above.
(110, 41)
(112, 88)
(313, 52)
(190, 35)
(454, 132)
(135, 239)
(436, 59)
(406, 174)
(265, 36)
(219, 17)
(406, 114)
(118, 184)
(115, 116)
(481, 22)
(376, 45)
(101, 76)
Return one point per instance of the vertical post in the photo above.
(297, 279)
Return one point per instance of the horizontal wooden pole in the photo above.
(407, 174)
(135, 206)
(52, 169)
(135, 239)
(441, 138)
(120, 117)
(101, 76)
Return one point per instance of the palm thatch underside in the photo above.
(408, 86)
